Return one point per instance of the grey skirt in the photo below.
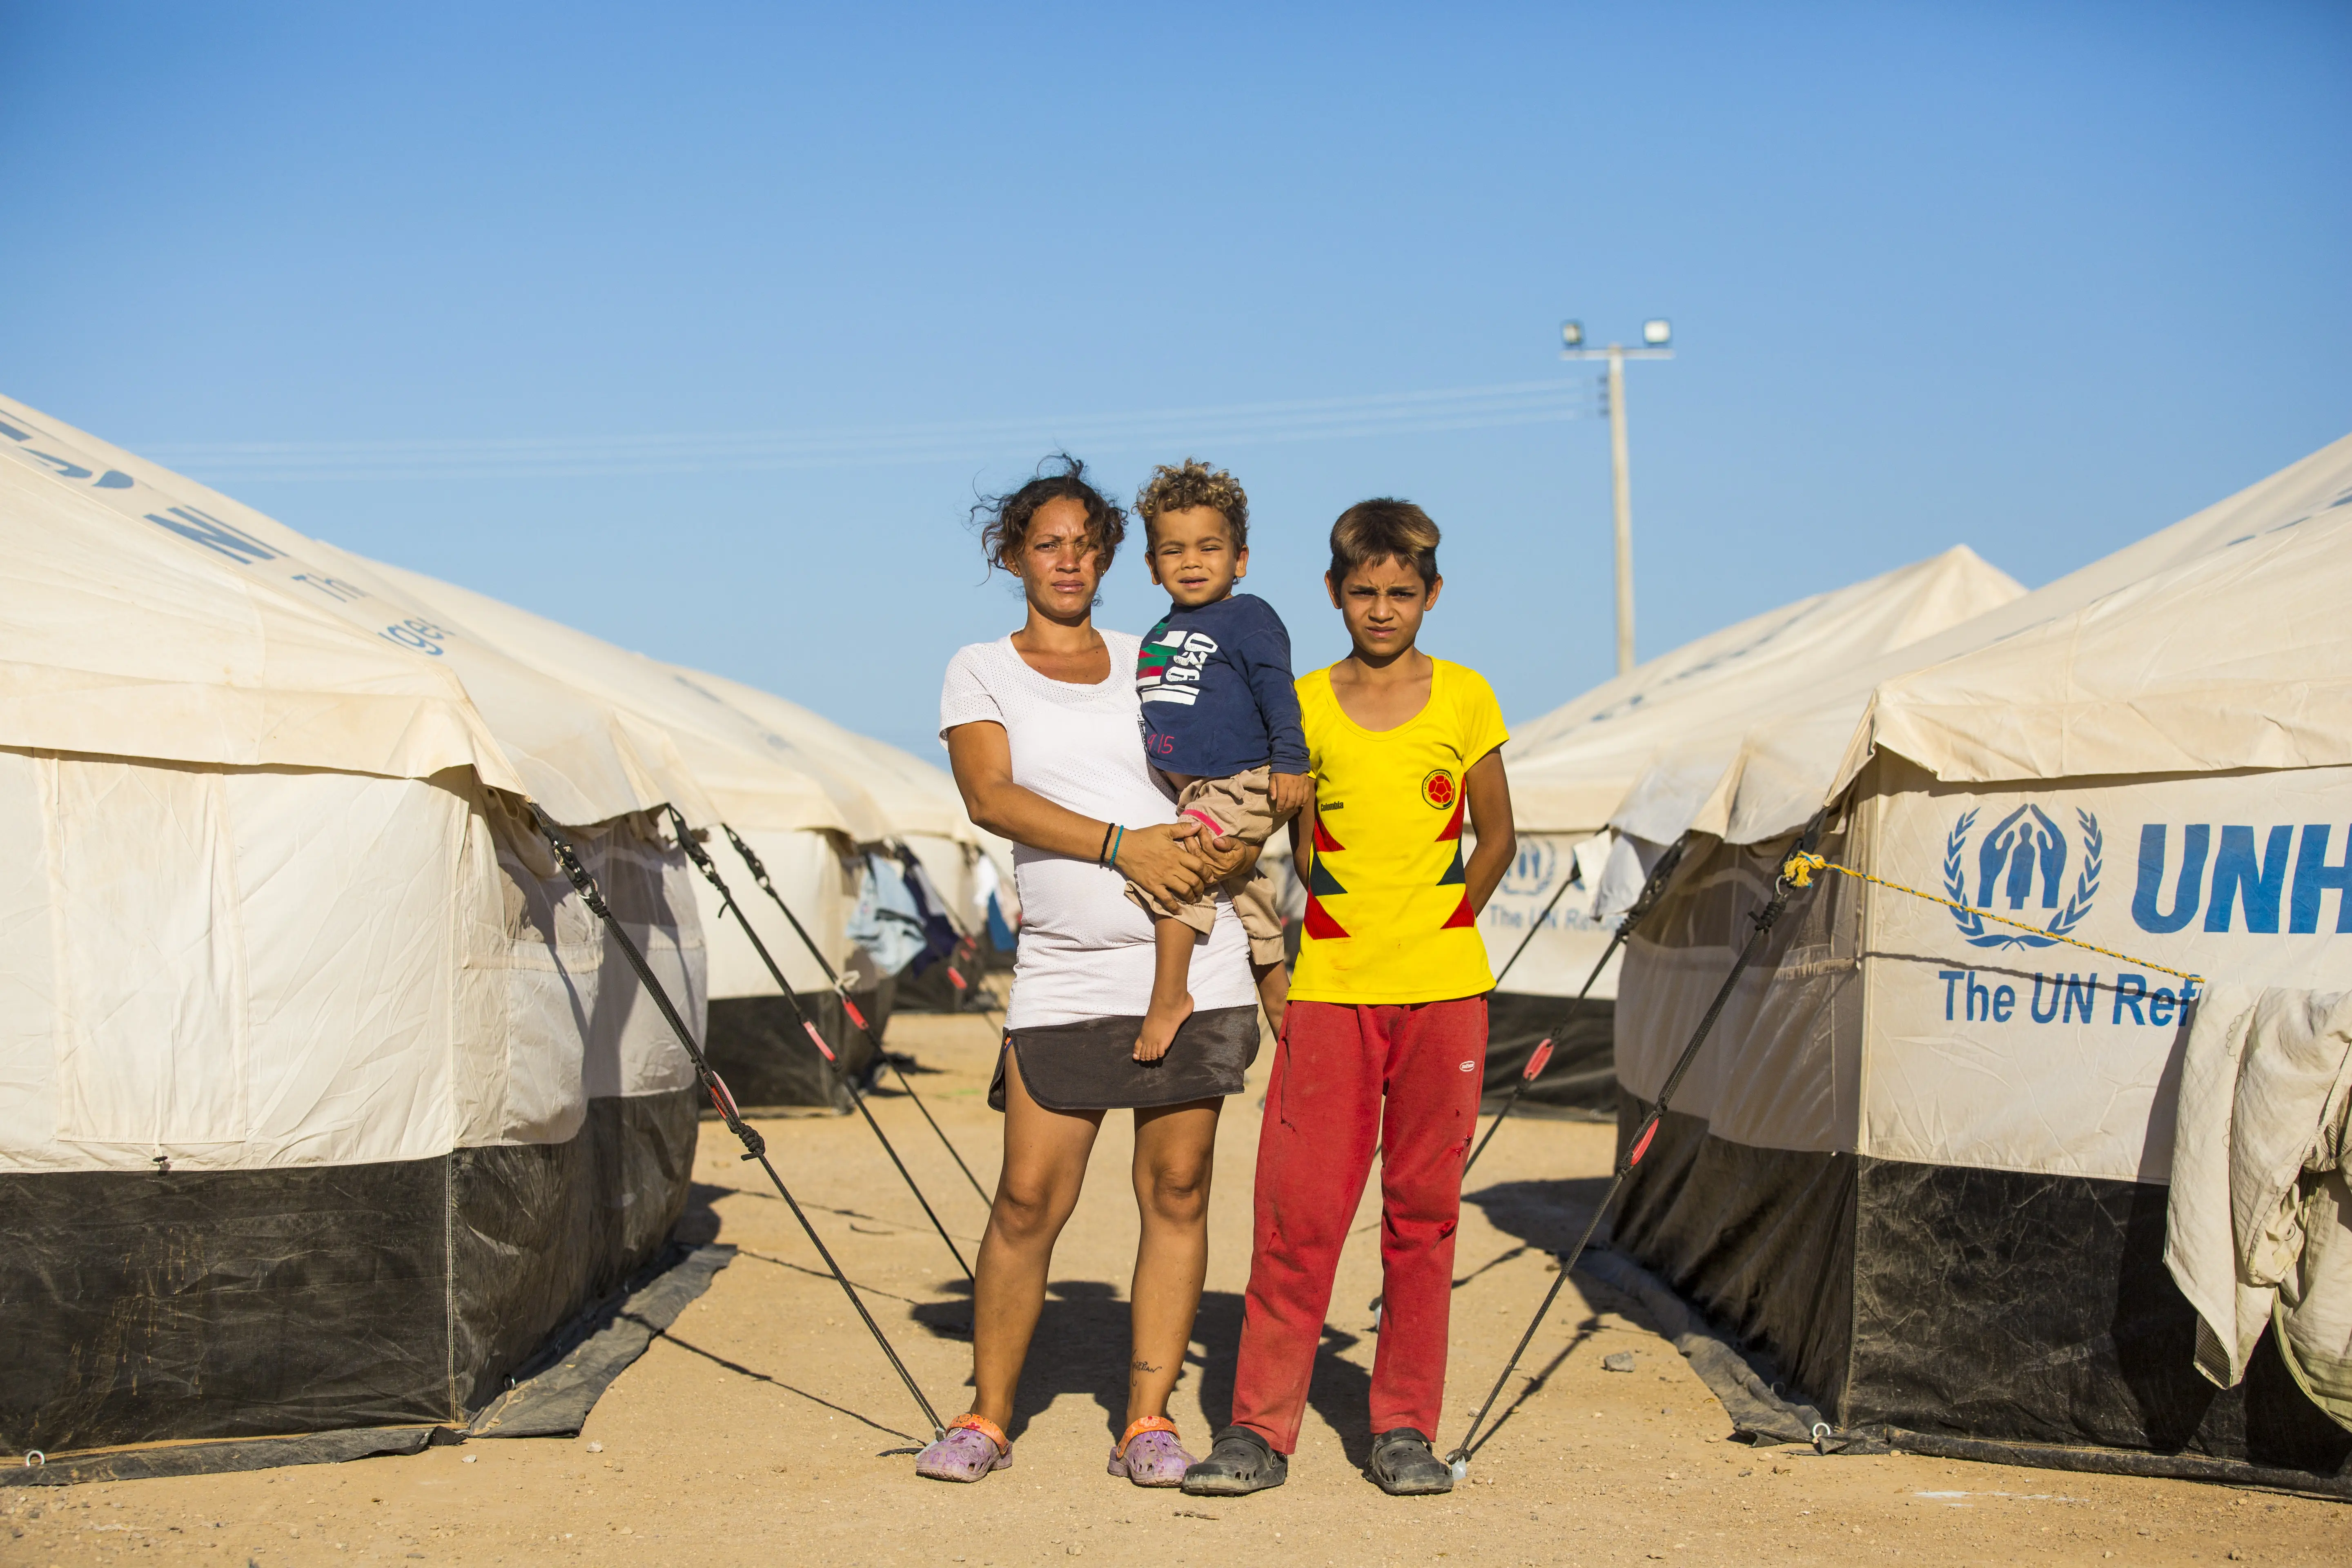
(1091, 1065)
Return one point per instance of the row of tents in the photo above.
(1935, 1166)
(323, 1100)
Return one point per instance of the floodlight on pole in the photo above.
(1657, 335)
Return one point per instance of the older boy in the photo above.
(1385, 1042)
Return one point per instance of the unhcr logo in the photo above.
(2023, 853)
(1531, 870)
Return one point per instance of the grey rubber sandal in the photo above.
(1239, 1462)
(1405, 1466)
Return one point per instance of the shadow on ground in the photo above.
(700, 1223)
(1081, 1347)
(1546, 1216)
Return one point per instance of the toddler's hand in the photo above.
(1292, 793)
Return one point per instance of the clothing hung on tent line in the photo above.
(2258, 1234)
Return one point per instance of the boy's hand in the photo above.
(1227, 857)
(1291, 793)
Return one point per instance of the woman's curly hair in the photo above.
(1003, 520)
(1194, 483)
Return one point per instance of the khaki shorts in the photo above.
(1237, 807)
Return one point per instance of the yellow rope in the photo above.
(1801, 867)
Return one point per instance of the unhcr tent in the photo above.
(1570, 768)
(323, 1102)
(1923, 1163)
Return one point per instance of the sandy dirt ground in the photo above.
(752, 1432)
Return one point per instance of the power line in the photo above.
(1311, 419)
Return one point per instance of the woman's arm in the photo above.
(1490, 818)
(1156, 856)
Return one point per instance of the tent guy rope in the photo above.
(1803, 865)
(856, 1016)
(967, 944)
(1651, 887)
(755, 1146)
(702, 861)
(1763, 921)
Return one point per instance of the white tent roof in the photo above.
(583, 761)
(754, 777)
(914, 795)
(119, 639)
(2241, 659)
(1792, 756)
(1570, 768)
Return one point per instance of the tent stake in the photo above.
(755, 1146)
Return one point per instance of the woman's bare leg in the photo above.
(1044, 1165)
(1175, 1147)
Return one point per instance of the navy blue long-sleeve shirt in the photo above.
(1217, 692)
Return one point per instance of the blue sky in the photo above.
(700, 326)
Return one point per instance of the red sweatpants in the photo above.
(1346, 1079)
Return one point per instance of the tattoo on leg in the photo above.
(1143, 1365)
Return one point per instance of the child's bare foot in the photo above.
(1170, 1004)
(1159, 1025)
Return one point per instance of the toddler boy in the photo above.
(1219, 724)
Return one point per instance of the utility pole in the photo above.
(1656, 336)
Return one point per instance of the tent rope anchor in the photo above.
(755, 1146)
(702, 861)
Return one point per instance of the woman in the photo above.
(1042, 728)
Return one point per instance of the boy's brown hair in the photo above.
(1189, 484)
(1383, 530)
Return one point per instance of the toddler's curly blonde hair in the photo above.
(1174, 487)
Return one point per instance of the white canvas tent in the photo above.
(919, 799)
(321, 1101)
(821, 806)
(1770, 776)
(1572, 767)
(1922, 1161)
(926, 815)
(963, 867)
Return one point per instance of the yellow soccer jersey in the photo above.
(1388, 908)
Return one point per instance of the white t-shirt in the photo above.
(1086, 947)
